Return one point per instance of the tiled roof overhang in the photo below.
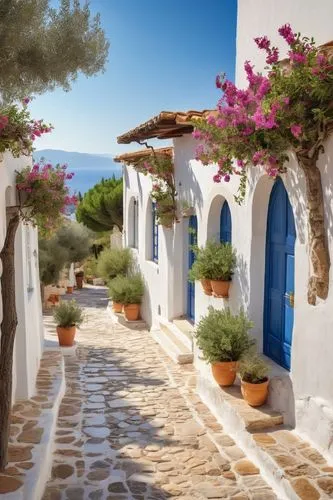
(166, 125)
(133, 158)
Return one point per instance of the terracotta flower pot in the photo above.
(117, 307)
(207, 287)
(69, 289)
(220, 288)
(225, 372)
(255, 394)
(132, 312)
(79, 281)
(66, 335)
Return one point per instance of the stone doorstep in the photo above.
(254, 419)
(291, 467)
(184, 330)
(172, 346)
(120, 319)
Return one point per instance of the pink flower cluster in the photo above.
(47, 193)
(38, 128)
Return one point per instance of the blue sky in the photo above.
(164, 55)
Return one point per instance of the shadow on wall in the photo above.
(190, 190)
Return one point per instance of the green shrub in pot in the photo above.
(253, 371)
(133, 296)
(117, 292)
(68, 315)
(214, 265)
(224, 338)
(114, 261)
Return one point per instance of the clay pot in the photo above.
(66, 335)
(225, 372)
(207, 287)
(79, 281)
(220, 288)
(255, 394)
(132, 312)
(69, 289)
(117, 307)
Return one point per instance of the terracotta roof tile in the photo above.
(132, 158)
(166, 125)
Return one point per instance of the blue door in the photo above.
(225, 223)
(192, 240)
(279, 277)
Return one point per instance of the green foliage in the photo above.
(216, 261)
(135, 289)
(118, 288)
(102, 206)
(90, 267)
(68, 313)
(252, 368)
(76, 238)
(71, 243)
(223, 336)
(52, 259)
(43, 47)
(114, 261)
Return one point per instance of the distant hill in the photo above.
(89, 169)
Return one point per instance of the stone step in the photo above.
(184, 329)
(292, 468)
(304, 472)
(120, 319)
(172, 345)
(254, 418)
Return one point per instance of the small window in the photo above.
(155, 233)
(225, 224)
(135, 224)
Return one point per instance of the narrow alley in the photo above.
(131, 426)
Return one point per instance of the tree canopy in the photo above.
(44, 47)
(71, 243)
(102, 206)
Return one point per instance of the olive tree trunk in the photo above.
(8, 330)
(318, 284)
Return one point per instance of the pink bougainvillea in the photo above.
(281, 110)
(43, 192)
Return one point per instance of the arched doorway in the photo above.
(279, 277)
(225, 223)
(192, 240)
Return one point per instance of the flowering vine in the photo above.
(18, 130)
(44, 194)
(160, 167)
(287, 109)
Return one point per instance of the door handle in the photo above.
(291, 297)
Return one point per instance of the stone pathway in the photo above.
(130, 426)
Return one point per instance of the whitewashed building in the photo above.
(29, 333)
(297, 338)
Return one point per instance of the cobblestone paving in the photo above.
(130, 425)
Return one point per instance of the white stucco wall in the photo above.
(29, 334)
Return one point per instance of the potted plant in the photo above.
(201, 269)
(70, 289)
(117, 292)
(79, 279)
(222, 259)
(133, 297)
(253, 371)
(224, 338)
(112, 262)
(68, 316)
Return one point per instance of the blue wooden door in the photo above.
(192, 240)
(279, 277)
(225, 224)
